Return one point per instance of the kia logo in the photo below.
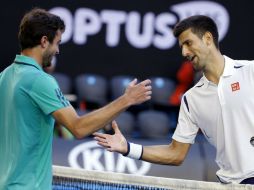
(90, 156)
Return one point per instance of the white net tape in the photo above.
(145, 181)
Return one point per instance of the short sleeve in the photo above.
(47, 95)
(186, 129)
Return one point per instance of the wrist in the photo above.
(127, 149)
(134, 151)
(126, 100)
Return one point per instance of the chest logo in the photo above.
(235, 86)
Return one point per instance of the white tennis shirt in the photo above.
(225, 115)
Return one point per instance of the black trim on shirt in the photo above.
(237, 67)
(200, 85)
(186, 103)
(23, 63)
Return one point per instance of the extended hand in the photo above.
(113, 143)
(138, 93)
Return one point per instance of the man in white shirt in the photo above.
(221, 105)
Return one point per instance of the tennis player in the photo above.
(221, 104)
(30, 100)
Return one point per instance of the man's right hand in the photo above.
(113, 143)
(138, 93)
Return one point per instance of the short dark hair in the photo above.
(37, 23)
(199, 24)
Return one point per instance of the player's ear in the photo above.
(208, 38)
(44, 41)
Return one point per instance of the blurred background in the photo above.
(108, 43)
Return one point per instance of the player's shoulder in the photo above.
(244, 66)
(35, 74)
(244, 62)
(196, 87)
(46, 77)
(44, 80)
(239, 63)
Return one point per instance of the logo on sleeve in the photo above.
(61, 97)
(235, 86)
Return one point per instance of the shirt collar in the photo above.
(229, 66)
(228, 71)
(204, 81)
(22, 59)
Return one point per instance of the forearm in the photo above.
(172, 154)
(89, 123)
(162, 154)
(97, 119)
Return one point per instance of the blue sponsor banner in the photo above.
(199, 164)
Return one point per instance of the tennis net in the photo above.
(65, 178)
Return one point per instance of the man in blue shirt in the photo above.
(31, 100)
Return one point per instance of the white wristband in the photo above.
(135, 151)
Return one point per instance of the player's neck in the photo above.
(215, 69)
(33, 53)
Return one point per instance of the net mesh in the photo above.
(65, 178)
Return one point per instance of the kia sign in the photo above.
(198, 165)
(90, 156)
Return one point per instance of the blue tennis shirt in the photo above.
(28, 96)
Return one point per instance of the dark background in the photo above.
(96, 57)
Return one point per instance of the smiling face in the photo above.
(194, 48)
